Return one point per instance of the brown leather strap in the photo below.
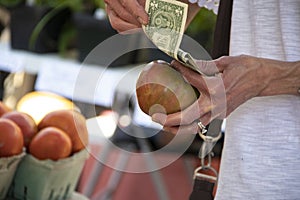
(221, 47)
(222, 29)
(203, 189)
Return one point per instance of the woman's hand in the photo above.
(237, 79)
(126, 15)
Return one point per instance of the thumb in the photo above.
(137, 9)
(191, 76)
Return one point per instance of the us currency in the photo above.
(166, 25)
(167, 20)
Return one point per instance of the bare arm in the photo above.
(241, 78)
(192, 12)
(284, 78)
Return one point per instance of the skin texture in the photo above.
(238, 79)
(127, 15)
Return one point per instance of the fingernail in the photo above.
(174, 62)
(159, 118)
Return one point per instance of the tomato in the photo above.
(50, 143)
(11, 138)
(25, 122)
(71, 122)
(162, 89)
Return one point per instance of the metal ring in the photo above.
(208, 138)
(202, 127)
(202, 133)
(199, 175)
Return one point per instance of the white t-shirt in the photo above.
(261, 154)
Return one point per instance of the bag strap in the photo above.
(222, 29)
(221, 47)
(203, 189)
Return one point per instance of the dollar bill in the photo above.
(188, 60)
(167, 19)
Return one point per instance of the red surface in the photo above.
(132, 186)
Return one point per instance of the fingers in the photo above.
(187, 129)
(207, 67)
(225, 61)
(211, 103)
(211, 67)
(126, 15)
(117, 23)
(205, 109)
(137, 9)
(192, 77)
(206, 85)
(185, 117)
(192, 128)
(175, 119)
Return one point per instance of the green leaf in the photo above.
(10, 3)
(42, 23)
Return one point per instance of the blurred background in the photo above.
(43, 44)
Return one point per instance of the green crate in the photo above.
(8, 166)
(46, 179)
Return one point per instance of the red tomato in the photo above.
(11, 138)
(50, 143)
(25, 122)
(71, 122)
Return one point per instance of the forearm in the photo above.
(192, 12)
(284, 77)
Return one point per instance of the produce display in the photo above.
(52, 151)
(72, 123)
(162, 89)
(58, 135)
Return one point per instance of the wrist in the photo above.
(281, 78)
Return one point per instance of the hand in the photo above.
(237, 80)
(126, 15)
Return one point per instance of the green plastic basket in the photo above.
(46, 179)
(8, 166)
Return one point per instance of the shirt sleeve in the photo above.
(208, 4)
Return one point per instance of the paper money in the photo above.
(187, 59)
(167, 19)
(166, 26)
